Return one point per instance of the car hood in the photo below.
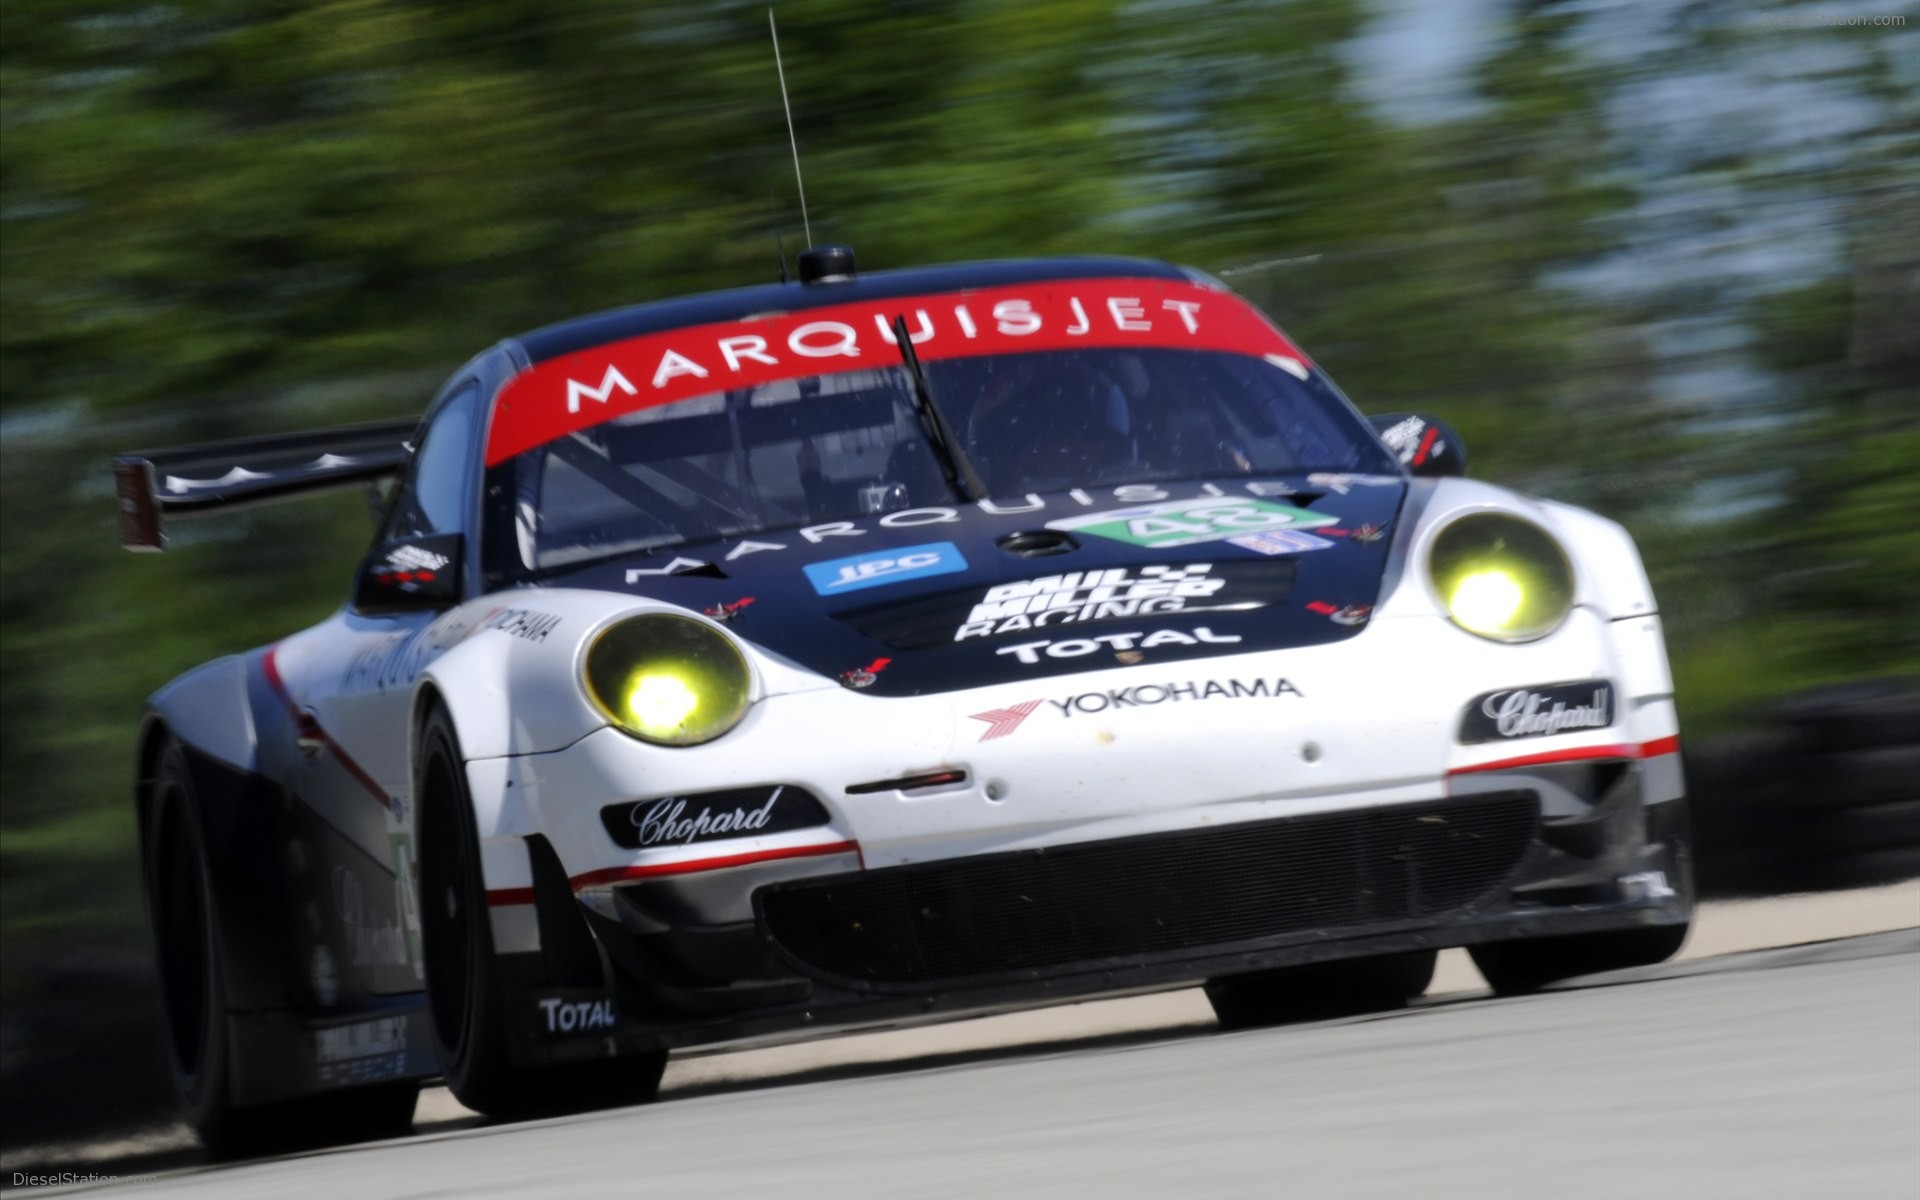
(932, 600)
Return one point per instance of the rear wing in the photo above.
(220, 477)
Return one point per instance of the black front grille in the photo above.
(1031, 910)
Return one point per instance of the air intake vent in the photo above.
(1040, 911)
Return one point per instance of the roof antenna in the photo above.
(791, 140)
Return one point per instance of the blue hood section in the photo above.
(932, 600)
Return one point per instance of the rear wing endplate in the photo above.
(220, 477)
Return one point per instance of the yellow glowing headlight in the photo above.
(1501, 577)
(667, 679)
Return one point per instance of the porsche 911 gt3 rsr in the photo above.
(872, 649)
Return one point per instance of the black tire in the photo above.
(466, 993)
(195, 1015)
(1515, 968)
(1863, 778)
(1321, 990)
(1861, 715)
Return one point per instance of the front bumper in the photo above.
(1115, 839)
(860, 949)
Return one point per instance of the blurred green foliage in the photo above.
(221, 217)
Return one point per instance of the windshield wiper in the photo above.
(961, 476)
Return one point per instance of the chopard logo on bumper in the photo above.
(1538, 711)
(1002, 722)
(711, 816)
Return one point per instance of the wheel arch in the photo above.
(464, 686)
(468, 683)
(426, 698)
(211, 709)
(210, 713)
(150, 744)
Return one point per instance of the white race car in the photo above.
(865, 650)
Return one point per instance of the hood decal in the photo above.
(1065, 598)
(1200, 569)
(1190, 522)
(839, 576)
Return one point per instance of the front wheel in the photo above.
(191, 961)
(466, 991)
(1515, 968)
(1321, 990)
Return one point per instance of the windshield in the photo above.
(786, 419)
(796, 452)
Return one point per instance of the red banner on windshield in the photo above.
(577, 391)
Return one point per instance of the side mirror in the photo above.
(413, 574)
(1426, 446)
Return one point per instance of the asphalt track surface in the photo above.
(1791, 1072)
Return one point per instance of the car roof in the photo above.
(708, 308)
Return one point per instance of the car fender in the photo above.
(211, 709)
(1608, 575)
(1609, 581)
(510, 683)
(1612, 577)
(511, 693)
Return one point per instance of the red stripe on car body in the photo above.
(307, 723)
(655, 870)
(1653, 749)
